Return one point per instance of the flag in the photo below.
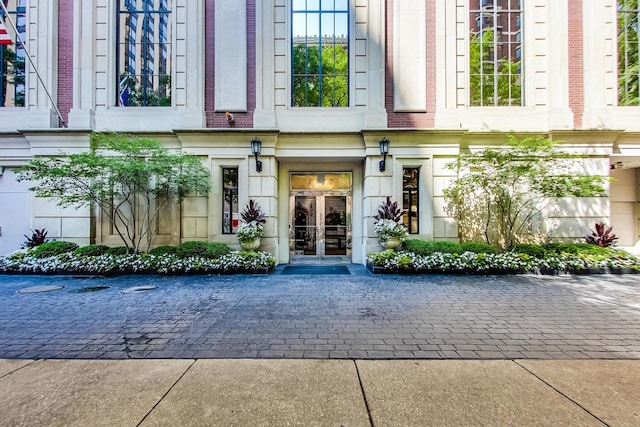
(4, 36)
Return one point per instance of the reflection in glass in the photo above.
(410, 199)
(13, 56)
(229, 200)
(320, 54)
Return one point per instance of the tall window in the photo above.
(13, 56)
(320, 53)
(229, 200)
(144, 53)
(495, 60)
(628, 64)
(410, 199)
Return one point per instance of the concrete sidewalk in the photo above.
(241, 392)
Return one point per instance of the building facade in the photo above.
(320, 84)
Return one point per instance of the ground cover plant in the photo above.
(420, 256)
(62, 257)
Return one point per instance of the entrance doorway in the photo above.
(320, 212)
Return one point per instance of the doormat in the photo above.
(315, 269)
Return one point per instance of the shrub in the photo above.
(602, 236)
(530, 249)
(192, 249)
(55, 248)
(91, 250)
(38, 237)
(419, 247)
(117, 251)
(216, 250)
(447, 247)
(577, 248)
(478, 248)
(163, 250)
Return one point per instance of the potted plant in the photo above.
(251, 229)
(391, 233)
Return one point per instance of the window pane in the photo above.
(13, 56)
(628, 87)
(144, 53)
(320, 56)
(230, 200)
(410, 199)
(495, 62)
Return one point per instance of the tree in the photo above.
(130, 179)
(492, 82)
(500, 191)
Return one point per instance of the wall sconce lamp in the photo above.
(1, 170)
(230, 117)
(384, 150)
(256, 147)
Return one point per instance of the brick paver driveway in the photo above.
(323, 316)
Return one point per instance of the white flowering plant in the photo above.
(386, 228)
(388, 221)
(252, 225)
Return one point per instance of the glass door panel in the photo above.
(335, 225)
(305, 225)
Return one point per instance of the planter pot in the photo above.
(392, 243)
(250, 245)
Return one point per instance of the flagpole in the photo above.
(24, 46)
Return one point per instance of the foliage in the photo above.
(530, 249)
(37, 238)
(500, 191)
(163, 250)
(628, 61)
(120, 175)
(576, 248)
(447, 247)
(478, 248)
(388, 221)
(253, 212)
(134, 94)
(216, 250)
(602, 236)
(54, 248)
(192, 249)
(117, 251)
(505, 262)
(492, 83)
(91, 250)
(143, 263)
(252, 226)
(329, 90)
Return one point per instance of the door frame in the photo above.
(288, 165)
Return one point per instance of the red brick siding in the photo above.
(412, 120)
(576, 62)
(65, 57)
(217, 119)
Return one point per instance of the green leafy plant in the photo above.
(536, 251)
(419, 247)
(252, 225)
(54, 248)
(131, 179)
(192, 249)
(603, 236)
(388, 221)
(163, 250)
(478, 248)
(37, 238)
(216, 250)
(117, 251)
(447, 247)
(500, 193)
(91, 250)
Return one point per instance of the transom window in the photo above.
(495, 59)
(13, 56)
(320, 53)
(628, 64)
(144, 53)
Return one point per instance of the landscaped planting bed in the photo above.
(556, 258)
(188, 258)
